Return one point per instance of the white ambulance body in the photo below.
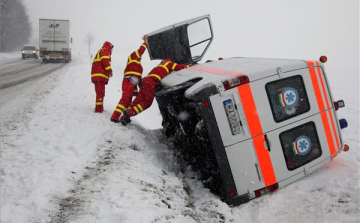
(250, 125)
(54, 40)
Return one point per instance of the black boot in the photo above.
(125, 119)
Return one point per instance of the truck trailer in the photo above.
(54, 40)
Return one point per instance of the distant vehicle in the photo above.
(29, 52)
(248, 125)
(54, 40)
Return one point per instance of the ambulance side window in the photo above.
(300, 145)
(287, 98)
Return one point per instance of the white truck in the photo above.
(54, 40)
(248, 125)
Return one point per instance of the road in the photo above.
(18, 71)
(20, 80)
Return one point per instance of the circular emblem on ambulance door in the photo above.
(302, 145)
(289, 97)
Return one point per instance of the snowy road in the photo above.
(17, 71)
(61, 162)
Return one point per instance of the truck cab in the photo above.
(248, 125)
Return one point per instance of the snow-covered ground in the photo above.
(61, 162)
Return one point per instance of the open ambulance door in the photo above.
(185, 42)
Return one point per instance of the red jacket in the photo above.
(101, 66)
(165, 68)
(133, 67)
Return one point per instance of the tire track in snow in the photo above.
(124, 173)
(22, 79)
(72, 206)
(92, 185)
(21, 70)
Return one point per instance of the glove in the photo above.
(145, 38)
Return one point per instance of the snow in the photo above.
(6, 56)
(61, 162)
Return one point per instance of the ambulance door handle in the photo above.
(267, 142)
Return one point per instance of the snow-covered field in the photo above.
(61, 162)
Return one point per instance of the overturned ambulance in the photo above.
(248, 125)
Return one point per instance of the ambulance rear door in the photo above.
(294, 127)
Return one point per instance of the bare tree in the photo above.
(89, 39)
(15, 27)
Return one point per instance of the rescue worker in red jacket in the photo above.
(100, 73)
(148, 89)
(132, 76)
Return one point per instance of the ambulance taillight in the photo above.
(266, 190)
(235, 82)
(339, 104)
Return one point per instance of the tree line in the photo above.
(15, 26)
